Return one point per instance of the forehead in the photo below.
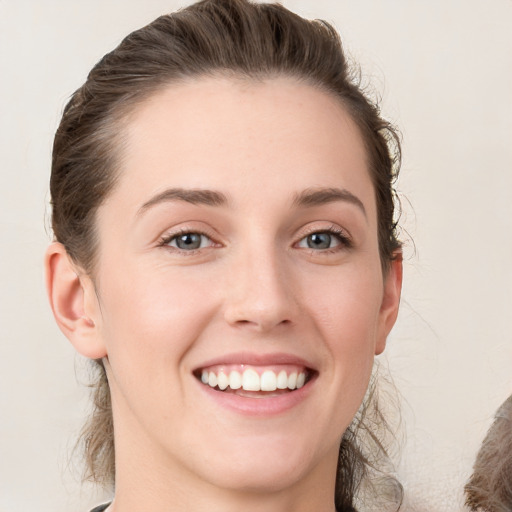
(226, 133)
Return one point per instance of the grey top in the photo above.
(100, 508)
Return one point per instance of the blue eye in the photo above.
(319, 241)
(322, 240)
(187, 241)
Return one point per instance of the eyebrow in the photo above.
(319, 196)
(193, 196)
(307, 198)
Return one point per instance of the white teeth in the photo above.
(250, 380)
(235, 380)
(212, 379)
(268, 381)
(222, 381)
(282, 380)
(292, 380)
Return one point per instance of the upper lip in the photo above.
(256, 359)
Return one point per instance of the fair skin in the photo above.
(242, 235)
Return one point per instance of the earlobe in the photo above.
(390, 301)
(73, 302)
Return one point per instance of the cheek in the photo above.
(150, 324)
(346, 313)
(347, 307)
(152, 319)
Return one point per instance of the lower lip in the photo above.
(264, 406)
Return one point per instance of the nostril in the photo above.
(262, 324)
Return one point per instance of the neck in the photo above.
(178, 500)
(158, 485)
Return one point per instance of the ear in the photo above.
(74, 302)
(390, 301)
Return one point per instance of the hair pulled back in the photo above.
(210, 38)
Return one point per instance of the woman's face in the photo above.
(239, 248)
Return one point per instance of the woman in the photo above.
(226, 254)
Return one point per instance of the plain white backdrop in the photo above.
(443, 70)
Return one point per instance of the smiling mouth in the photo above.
(255, 382)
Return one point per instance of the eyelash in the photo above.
(166, 240)
(345, 241)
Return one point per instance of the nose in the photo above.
(260, 292)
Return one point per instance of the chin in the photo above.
(269, 477)
(264, 466)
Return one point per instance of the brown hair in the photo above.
(211, 37)
(490, 487)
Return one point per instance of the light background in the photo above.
(444, 71)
